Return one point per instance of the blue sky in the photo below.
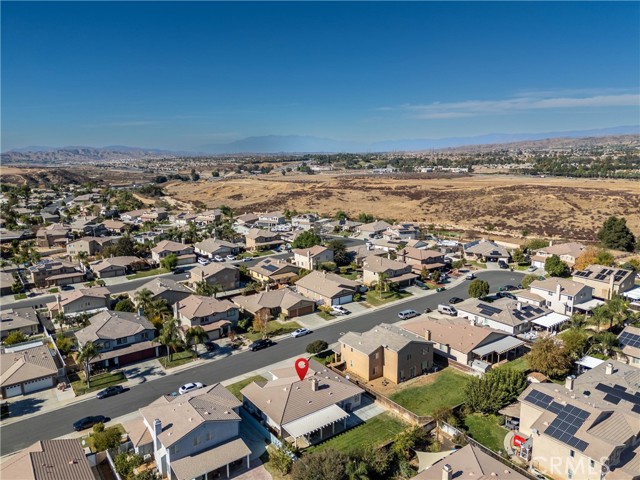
(180, 75)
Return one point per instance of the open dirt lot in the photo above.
(502, 205)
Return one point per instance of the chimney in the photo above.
(201, 274)
(611, 285)
(569, 382)
(314, 384)
(157, 430)
(609, 369)
(427, 335)
(551, 243)
(176, 309)
(140, 312)
(558, 290)
(447, 472)
(518, 306)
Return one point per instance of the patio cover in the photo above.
(200, 464)
(512, 410)
(633, 294)
(315, 421)
(590, 305)
(427, 459)
(589, 362)
(500, 346)
(550, 320)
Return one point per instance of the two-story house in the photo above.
(606, 281)
(52, 272)
(195, 435)
(311, 258)
(271, 219)
(629, 343)
(567, 252)
(375, 268)
(117, 266)
(120, 337)
(89, 245)
(561, 295)
(25, 320)
(168, 247)
(327, 288)
(273, 271)
(402, 231)
(305, 221)
(209, 216)
(82, 300)
(386, 351)
(257, 239)
(421, 259)
(372, 229)
(53, 235)
(215, 316)
(225, 275)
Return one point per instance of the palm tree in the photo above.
(605, 343)
(577, 321)
(618, 310)
(87, 353)
(208, 290)
(158, 311)
(357, 470)
(381, 285)
(169, 336)
(143, 299)
(195, 335)
(600, 315)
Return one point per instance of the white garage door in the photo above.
(38, 385)
(342, 300)
(13, 391)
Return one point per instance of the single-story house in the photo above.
(166, 288)
(629, 342)
(213, 246)
(374, 228)
(275, 302)
(327, 288)
(568, 253)
(6, 283)
(25, 320)
(485, 251)
(117, 266)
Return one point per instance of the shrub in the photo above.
(15, 337)
(109, 438)
(317, 346)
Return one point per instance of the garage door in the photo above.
(342, 300)
(13, 391)
(36, 385)
(137, 356)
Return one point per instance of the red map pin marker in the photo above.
(302, 366)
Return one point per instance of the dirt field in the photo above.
(500, 205)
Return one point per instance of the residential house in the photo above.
(132, 216)
(368, 230)
(402, 231)
(360, 252)
(305, 221)
(327, 288)
(53, 235)
(48, 217)
(311, 258)
(562, 295)
(48, 460)
(87, 226)
(115, 226)
(587, 428)
(224, 275)
(485, 251)
(166, 288)
(90, 245)
(606, 281)
(312, 409)
(246, 219)
(213, 246)
(83, 300)
(629, 343)
(209, 216)
(154, 215)
(25, 320)
(386, 351)
(257, 239)
(54, 272)
(182, 219)
(468, 462)
(167, 247)
(504, 314)
(421, 259)
(568, 253)
(271, 219)
(456, 339)
(215, 316)
(275, 302)
(26, 369)
(6, 283)
(374, 268)
(120, 337)
(270, 270)
(195, 435)
(342, 225)
(117, 266)
(419, 244)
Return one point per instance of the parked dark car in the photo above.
(506, 295)
(260, 344)
(454, 300)
(110, 391)
(210, 346)
(421, 285)
(88, 422)
(66, 288)
(508, 288)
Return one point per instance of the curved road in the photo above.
(49, 425)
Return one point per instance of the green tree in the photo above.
(143, 299)
(435, 276)
(340, 215)
(340, 254)
(605, 343)
(495, 390)
(306, 239)
(528, 280)
(125, 463)
(317, 346)
(381, 285)
(406, 441)
(618, 308)
(549, 357)
(326, 464)
(87, 354)
(478, 288)
(125, 305)
(365, 218)
(575, 343)
(357, 470)
(615, 234)
(15, 337)
(535, 244)
(16, 286)
(169, 262)
(170, 337)
(104, 439)
(208, 289)
(556, 267)
(518, 256)
(280, 458)
(64, 344)
(194, 336)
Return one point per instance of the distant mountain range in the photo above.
(274, 144)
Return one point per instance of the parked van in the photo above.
(405, 314)
(448, 310)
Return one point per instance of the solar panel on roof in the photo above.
(628, 339)
(270, 268)
(568, 421)
(488, 309)
(620, 393)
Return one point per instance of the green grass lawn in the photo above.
(325, 315)
(351, 275)
(98, 382)
(147, 273)
(20, 296)
(88, 440)
(275, 328)
(54, 290)
(521, 364)
(373, 433)
(475, 264)
(446, 391)
(373, 298)
(177, 359)
(485, 430)
(236, 387)
(324, 357)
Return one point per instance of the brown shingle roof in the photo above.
(327, 284)
(25, 365)
(201, 306)
(282, 297)
(110, 325)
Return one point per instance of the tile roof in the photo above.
(201, 306)
(12, 319)
(284, 298)
(313, 251)
(214, 244)
(68, 297)
(503, 310)
(161, 285)
(419, 254)
(485, 247)
(327, 284)
(573, 249)
(200, 464)
(270, 267)
(28, 364)
(384, 335)
(110, 325)
(567, 287)
(376, 226)
(170, 246)
(376, 264)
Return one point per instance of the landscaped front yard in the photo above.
(445, 391)
(177, 359)
(274, 328)
(485, 430)
(148, 273)
(371, 434)
(98, 382)
(236, 387)
(376, 299)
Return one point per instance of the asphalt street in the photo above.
(54, 424)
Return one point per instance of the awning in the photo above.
(315, 421)
(550, 320)
(590, 305)
(512, 410)
(403, 278)
(200, 464)
(427, 459)
(633, 294)
(499, 346)
(589, 362)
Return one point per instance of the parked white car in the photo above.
(189, 387)
(218, 258)
(203, 261)
(301, 332)
(339, 310)
(231, 257)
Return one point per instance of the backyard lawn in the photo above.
(485, 430)
(446, 391)
(375, 299)
(275, 328)
(521, 364)
(177, 359)
(98, 382)
(325, 357)
(148, 273)
(236, 387)
(373, 433)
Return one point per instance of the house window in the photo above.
(144, 335)
(570, 474)
(408, 356)
(209, 436)
(121, 341)
(377, 355)
(592, 463)
(351, 363)
(106, 344)
(196, 441)
(374, 371)
(572, 453)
